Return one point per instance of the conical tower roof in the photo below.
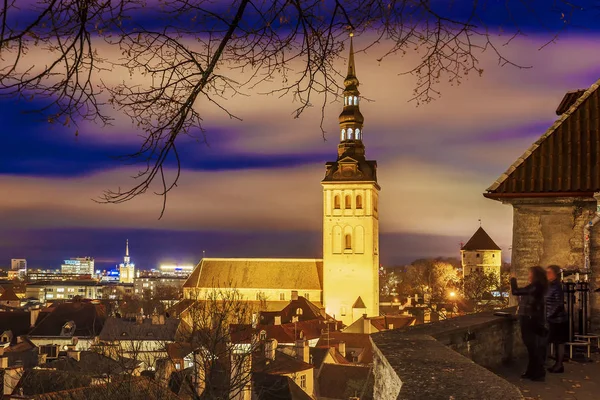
(480, 241)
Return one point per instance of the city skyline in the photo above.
(254, 191)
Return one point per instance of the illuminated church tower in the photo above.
(126, 269)
(350, 218)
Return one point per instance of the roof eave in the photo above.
(499, 196)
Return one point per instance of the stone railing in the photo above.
(447, 360)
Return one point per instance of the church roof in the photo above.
(564, 161)
(257, 273)
(480, 241)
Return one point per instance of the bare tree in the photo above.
(208, 51)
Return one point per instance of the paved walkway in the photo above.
(581, 381)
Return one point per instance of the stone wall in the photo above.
(446, 359)
(550, 231)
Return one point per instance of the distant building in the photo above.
(176, 270)
(481, 253)
(63, 290)
(18, 263)
(43, 275)
(78, 266)
(127, 268)
(154, 284)
(9, 298)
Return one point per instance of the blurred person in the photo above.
(532, 320)
(556, 315)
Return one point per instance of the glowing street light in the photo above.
(452, 295)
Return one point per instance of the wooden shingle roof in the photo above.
(564, 161)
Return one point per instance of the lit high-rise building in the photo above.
(78, 266)
(127, 268)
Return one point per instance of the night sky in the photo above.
(255, 190)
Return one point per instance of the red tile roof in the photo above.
(359, 343)
(88, 317)
(283, 364)
(9, 295)
(564, 161)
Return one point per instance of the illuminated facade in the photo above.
(351, 218)
(346, 280)
(78, 266)
(127, 268)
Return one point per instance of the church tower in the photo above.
(350, 217)
(127, 268)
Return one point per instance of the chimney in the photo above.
(302, 350)
(270, 347)
(74, 354)
(342, 348)
(294, 295)
(4, 362)
(33, 315)
(366, 324)
(277, 320)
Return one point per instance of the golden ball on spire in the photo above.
(351, 34)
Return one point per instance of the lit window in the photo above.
(349, 136)
(60, 290)
(348, 202)
(359, 202)
(355, 100)
(348, 241)
(303, 381)
(343, 134)
(357, 134)
(281, 296)
(298, 311)
(336, 202)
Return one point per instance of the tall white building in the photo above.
(127, 268)
(78, 266)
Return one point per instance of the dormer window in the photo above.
(298, 311)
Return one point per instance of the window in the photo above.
(349, 136)
(477, 255)
(343, 311)
(307, 296)
(336, 202)
(263, 335)
(493, 256)
(298, 311)
(348, 241)
(343, 134)
(281, 296)
(348, 202)
(359, 202)
(50, 351)
(60, 290)
(303, 381)
(357, 134)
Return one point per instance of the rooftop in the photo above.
(480, 241)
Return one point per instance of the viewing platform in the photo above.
(472, 357)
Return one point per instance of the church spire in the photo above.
(127, 259)
(351, 120)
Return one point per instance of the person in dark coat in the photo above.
(557, 318)
(532, 320)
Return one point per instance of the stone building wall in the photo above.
(550, 231)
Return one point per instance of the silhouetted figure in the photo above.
(556, 315)
(532, 320)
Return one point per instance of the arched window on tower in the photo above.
(348, 202)
(345, 101)
(348, 241)
(355, 100)
(359, 205)
(343, 134)
(357, 134)
(336, 202)
(349, 136)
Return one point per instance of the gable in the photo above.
(564, 161)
